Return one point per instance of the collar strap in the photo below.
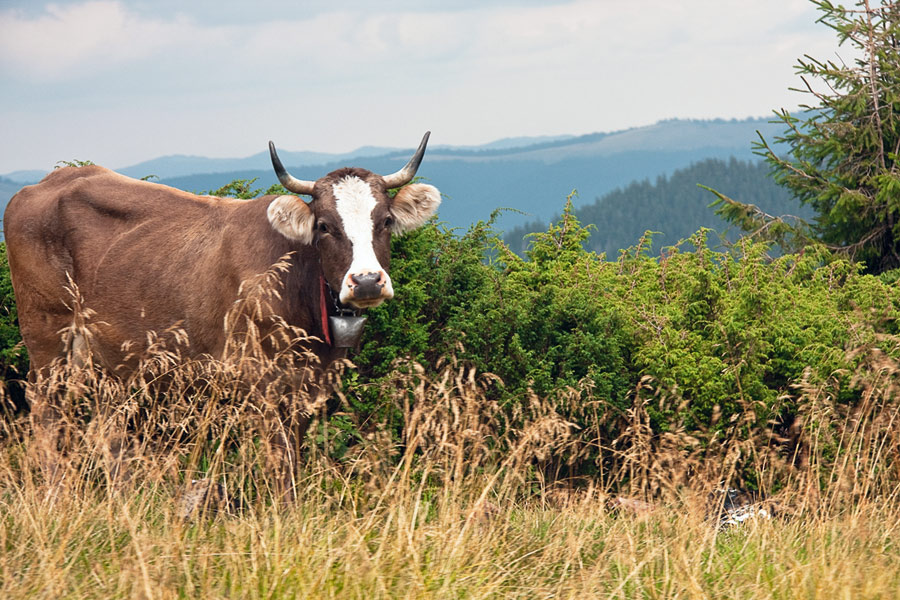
(324, 309)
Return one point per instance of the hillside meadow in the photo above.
(558, 425)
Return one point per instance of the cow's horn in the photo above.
(298, 186)
(405, 175)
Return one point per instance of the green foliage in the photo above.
(844, 147)
(73, 163)
(790, 232)
(731, 331)
(13, 357)
(557, 331)
(724, 336)
(243, 189)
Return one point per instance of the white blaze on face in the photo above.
(355, 203)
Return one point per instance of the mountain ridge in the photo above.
(662, 134)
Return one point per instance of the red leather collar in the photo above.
(323, 293)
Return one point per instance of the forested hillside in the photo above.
(674, 206)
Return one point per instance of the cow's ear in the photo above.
(292, 218)
(413, 205)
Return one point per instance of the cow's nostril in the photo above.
(367, 279)
(367, 286)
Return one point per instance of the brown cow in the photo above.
(146, 256)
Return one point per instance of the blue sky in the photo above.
(118, 82)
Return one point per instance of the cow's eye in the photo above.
(388, 222)
(323, 228)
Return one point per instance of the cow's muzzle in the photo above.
(368, 289)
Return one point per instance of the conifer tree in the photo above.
(844, 145)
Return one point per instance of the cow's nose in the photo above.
(367, 286)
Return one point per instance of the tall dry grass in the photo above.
(469, 501)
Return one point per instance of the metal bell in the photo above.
(346, 331)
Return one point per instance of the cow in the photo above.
(146, 257)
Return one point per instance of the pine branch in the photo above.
(761, 225)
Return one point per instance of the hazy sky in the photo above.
(118, 82)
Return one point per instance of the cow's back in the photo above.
(143, 256)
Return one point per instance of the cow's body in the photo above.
(146, 258)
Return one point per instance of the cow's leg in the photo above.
(287, 428)
(46, 426)
(48, 380)
(284, 442)
(53, 390)
(113, 439)
(313, 390)
(119, 451)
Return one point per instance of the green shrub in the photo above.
(13, 356)
(724, 335)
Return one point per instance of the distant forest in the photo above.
(673, 205)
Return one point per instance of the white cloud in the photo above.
(373, 74)
(67, 41)
(92, 38)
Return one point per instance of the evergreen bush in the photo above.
(724, 336)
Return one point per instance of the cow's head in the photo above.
(350, 220)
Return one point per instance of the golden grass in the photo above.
(463, 505)
(404, 539)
